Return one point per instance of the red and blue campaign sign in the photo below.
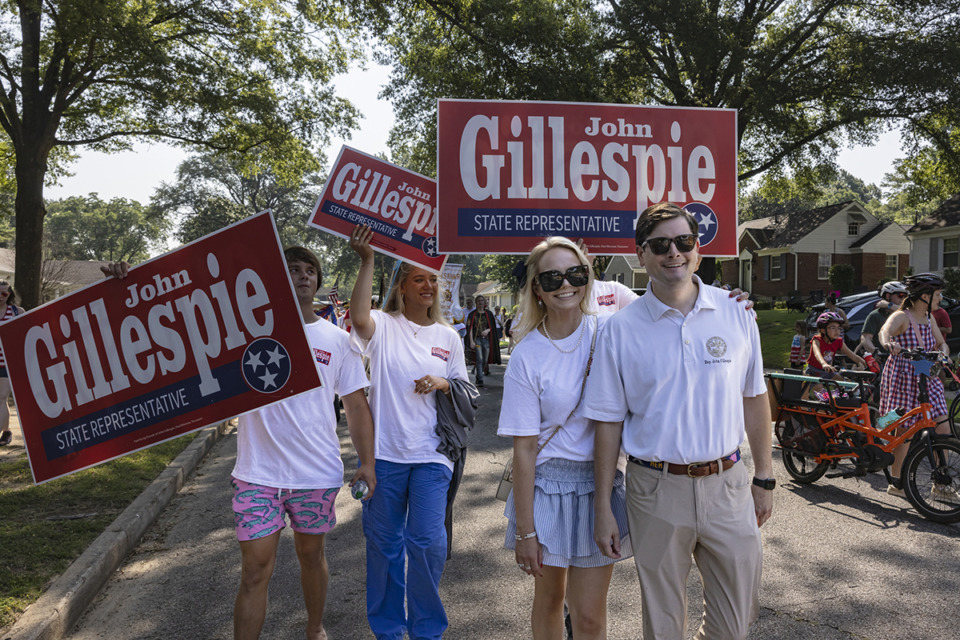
(400, 206)
(188, 339)
(511, 173)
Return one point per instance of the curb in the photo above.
(60, 607)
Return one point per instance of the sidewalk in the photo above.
(61, 605)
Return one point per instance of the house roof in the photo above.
(485, 288)
(76, 273)
(788, 229)
(870, 235)
(946, 215)
(632, 260)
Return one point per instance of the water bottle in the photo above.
(360, 490)
(871, 363)
(888, 419)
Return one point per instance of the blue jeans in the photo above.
(481, 354)
(404, 521)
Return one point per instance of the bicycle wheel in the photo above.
(954, 416)
(932, 479)
(801, 433)
(803, 469)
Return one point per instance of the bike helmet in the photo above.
(827, 317)
(923, 283)
(892, 287)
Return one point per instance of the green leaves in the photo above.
(804, 76)
(88, 228)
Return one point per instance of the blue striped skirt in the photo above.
(563, 515)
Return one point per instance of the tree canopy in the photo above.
(87, 228)
(805, 77)
(226, 74)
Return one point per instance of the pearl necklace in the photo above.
(583, 328)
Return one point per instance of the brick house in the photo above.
(935, 239)
(794, 252)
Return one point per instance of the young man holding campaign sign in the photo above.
(288, 462)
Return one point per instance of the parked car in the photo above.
(858, 306)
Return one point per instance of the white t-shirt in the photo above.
(293, 444)
(541, 388)
(400, 352)
(609, 297)
(677, 382)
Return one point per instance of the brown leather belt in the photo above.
(694, 470)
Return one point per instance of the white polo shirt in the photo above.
(677, 382)
(608, 297)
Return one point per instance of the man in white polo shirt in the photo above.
(679, 375)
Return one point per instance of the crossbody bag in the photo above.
(506, 480)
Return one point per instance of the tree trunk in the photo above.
(30, 212)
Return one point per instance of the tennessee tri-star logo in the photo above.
(706, 219)
(430, 247)
(266, 365)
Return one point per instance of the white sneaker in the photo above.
(944, 492)
(895, 491)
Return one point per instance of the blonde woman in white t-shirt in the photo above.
(413, 355)
(550, 509)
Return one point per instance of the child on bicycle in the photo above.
(798, 348)
(823, 349)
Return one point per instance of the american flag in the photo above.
(334, 294)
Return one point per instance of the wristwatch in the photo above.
(767, 484)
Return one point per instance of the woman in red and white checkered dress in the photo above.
(912, 328)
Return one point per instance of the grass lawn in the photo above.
(776, 334)
(44, 528)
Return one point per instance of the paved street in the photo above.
(842, 560)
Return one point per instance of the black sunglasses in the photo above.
(553, 280)
(685, 243)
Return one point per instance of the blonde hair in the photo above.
(529, 312)
(394, 304)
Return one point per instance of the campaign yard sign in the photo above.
(511, 173)
(400, 206)
(188, 339)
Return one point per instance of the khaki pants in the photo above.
(675, 519)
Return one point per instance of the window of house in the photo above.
(824, 260)
(853, 229)
(775, 267)
(892, 267)
(951, 252)
(618, 277)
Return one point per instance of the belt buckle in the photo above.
(691, 467)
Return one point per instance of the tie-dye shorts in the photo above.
(259, 511)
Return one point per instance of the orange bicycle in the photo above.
(841, 434)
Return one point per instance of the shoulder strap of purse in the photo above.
(583, 383)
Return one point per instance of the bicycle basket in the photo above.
(800, 432)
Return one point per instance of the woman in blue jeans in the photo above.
(413, 355)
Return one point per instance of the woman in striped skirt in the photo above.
(550, 511)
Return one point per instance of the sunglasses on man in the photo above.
(552, 280)
(685, 243)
